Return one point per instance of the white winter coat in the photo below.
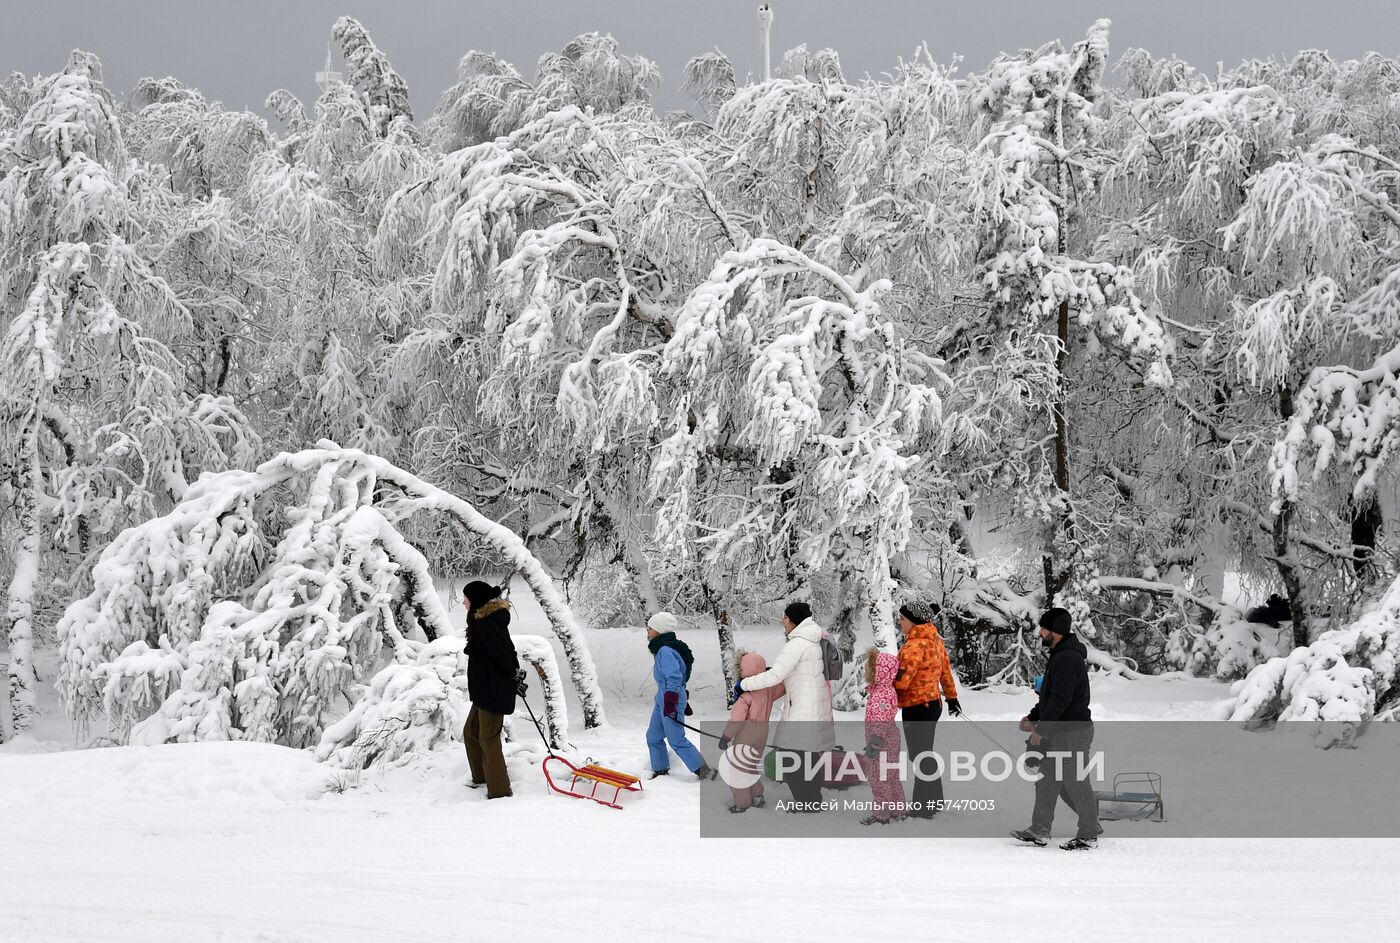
(806, 723)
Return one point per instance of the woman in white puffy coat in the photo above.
(806, 727)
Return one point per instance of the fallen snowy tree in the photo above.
(263, 597)
(418, 704)
(411, 706)
(1342, 677)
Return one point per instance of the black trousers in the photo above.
(805, 786)
(920, 722)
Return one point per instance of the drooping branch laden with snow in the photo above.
(250, 610)
(779, 357)
(1342, 677)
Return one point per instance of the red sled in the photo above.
(597, 775)
(592, 772)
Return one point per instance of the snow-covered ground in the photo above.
(240, 841)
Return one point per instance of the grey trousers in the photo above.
(1077, 793)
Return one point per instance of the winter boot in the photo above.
(1030, 838)
(1080, 844)
(875, 820)
(658, 773)
(473, 784)
(759, 802)
(736, 808)
(705, 772)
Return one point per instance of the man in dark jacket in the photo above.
(1060, 723)
(494, 679)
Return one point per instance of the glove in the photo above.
(724, 743)
(737, 691)
(670, 704)
(954, 707)
(688, 711)
(873, 746)
(1036, 682)
(520, 687)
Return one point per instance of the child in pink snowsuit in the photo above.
(746, 737)
(882, 739)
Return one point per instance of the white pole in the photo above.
(765, 23)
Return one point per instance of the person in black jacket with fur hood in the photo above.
(494, 679)
(1061, 723)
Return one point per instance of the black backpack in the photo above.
(831, 659)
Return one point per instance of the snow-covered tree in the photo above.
(710, 78)
(250, 609)
(92, 400)
(1310, 229)
(491, 99)
(826, 337)
(370, 73)
(1232, 210)
(784, 364)
(412, 706)
(1031, 176)
(1340, 680)
(598, 312)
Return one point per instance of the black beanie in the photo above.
(798, 612)
(479, 593)
(919, 613)
(1057, 620)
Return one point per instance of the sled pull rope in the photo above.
(978, 728)
(712, 736)
(529, 710)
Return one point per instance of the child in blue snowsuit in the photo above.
(671, 669)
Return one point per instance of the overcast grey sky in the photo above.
(239, 50)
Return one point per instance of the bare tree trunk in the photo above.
(796, 580)
(1366, 522)
(630, 554)
(19, 607)
(1288, 569)
(727, 649)
(1061, 427)
(1288, 572)
(841, 629)
(1054, 581)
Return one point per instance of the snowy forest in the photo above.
(1076, 328)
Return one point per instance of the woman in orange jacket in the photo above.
(925, 679)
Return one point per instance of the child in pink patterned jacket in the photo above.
(746, 737)
(881, 758)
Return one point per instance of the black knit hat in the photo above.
(1057, 620)
(919, 613)
(479, 593)
(798, 612)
